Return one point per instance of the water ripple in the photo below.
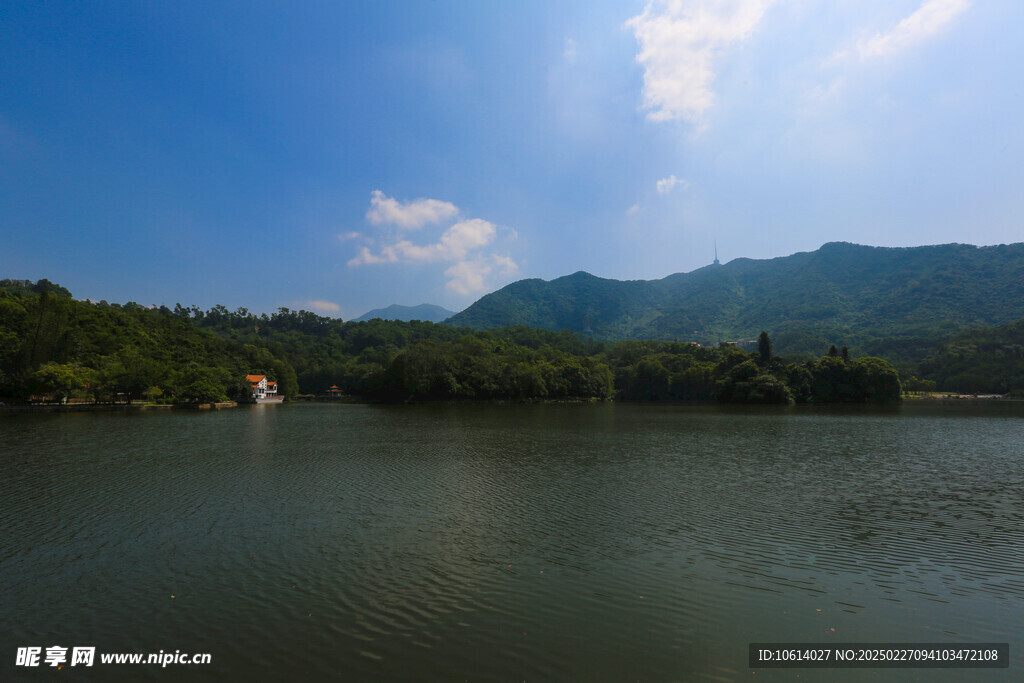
(489, 543)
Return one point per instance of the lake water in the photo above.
(553, 542)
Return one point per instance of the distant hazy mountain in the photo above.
(841, 293)
(427, 312)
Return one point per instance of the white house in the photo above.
(261, 388)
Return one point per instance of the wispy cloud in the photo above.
(350, 235)
(468, 277)
(930, 18)
(368, 258)
(666, 185)
(456, 242)
(321, 306)
(679, 45)
(569, 52)
(410, 216)
(461, 244)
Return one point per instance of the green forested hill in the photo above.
(53, 344)
(987, 360)
(842, 293)
(563, 304)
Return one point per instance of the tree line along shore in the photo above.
(54, 346)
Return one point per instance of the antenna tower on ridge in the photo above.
(716, 254)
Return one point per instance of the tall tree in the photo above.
(764, 348)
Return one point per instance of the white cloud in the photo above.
(350, 235)
(367, 258)
(504, 264)
(456, 242)
(633, 210)
(931, 17)
(467, 235)
(466, 277)
(411, 216)
(679, 44)
(469, 277)
(461, 244)
(666, 185)
(569, 53)
(322, 306)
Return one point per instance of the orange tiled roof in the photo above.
(271, 384)
(255, 379)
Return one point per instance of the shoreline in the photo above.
(110, 407)
(957, 397)
(139, 407)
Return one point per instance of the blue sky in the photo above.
(340, 157)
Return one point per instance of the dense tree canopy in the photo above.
(987, 360)
(646, 371)
(53, 345)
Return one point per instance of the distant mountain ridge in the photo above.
(840, 293)
(425, 312)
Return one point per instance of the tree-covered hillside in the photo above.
(862, 297)
(564, 304)
(987, 360)
(53, 344)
